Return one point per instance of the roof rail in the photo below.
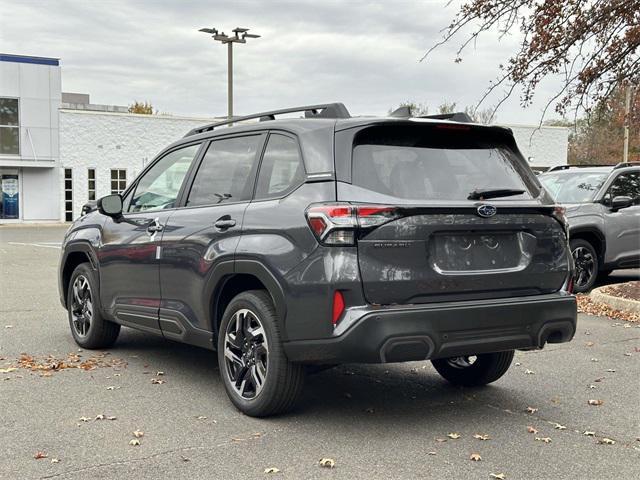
(627, 164)
(326, 110)
(405, 112)
(567, 167)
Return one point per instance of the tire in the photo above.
(487, 368)
(585, 259)
(250, 349)
(88, 327)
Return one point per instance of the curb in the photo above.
(626, 304)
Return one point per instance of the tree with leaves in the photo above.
(593, 45)
(143, 108)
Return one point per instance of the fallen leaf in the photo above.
(8, 370)
(627, 354)
(113, 388)
(592, 386)
(441, 440)
(544, 439)
(159, 374)
(557, 426)
(481, 437)
(100, 417)
(327, 462)
(138, 434)
(431, 453)
(595, 403)
(531, 410)
(589, 344)
(611, 370)
(201, 417)
(134, 442)
(589, 433)
(475, 457)
(8, 326)
(84, 419)
(157, 381)
(40, 455)
(499, 476)
(531, 429)
(594, 359)
(453, 435)
(529, 372)
(606, 441)
(517, 364)
(272, 470)
(55, 460)
(598, 380)
(111, 418)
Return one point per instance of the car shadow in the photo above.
(379, 393)
(619, 276)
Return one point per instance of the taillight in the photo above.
(559, 213)
(338, 306)
(336, 224)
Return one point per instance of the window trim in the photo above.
(295, 186)
(126, 175)
(254, 170)
(18, 127)
(134, 184)
(65, 190)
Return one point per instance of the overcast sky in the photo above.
(364, 54)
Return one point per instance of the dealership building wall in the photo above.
(115, 146)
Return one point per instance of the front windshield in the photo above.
(573, 187)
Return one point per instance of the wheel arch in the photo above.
(595, 237)
(247, 275)
(74, 255)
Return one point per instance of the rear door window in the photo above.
(424, 163)
(227, 172)
(281, 170)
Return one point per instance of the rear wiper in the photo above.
(493, 193)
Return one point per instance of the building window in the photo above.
(91, 184)
(68, 195)
(9, 126)
(118, 180)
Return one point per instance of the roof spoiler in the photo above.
(405, 112)
(327, 110)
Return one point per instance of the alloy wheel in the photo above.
(81, 306)
(246, 354)
(462, 362)
(585, 266)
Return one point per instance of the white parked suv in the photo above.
(603, 210)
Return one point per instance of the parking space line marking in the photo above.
(41, 245)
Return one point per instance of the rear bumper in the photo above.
(396, 334)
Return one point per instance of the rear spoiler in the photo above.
(405, 112)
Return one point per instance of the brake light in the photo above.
(338, 306)
(336, 224)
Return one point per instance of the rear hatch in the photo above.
(444, 232)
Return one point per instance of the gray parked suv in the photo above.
(603, 210)
(325, 240)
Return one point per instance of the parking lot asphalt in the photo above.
(375, 421)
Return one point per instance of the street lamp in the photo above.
(240, 36)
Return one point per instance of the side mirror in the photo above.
(111, 205)
(621, 202)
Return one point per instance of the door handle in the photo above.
(155, 227)
(224, 222)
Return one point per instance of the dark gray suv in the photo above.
(325, 240)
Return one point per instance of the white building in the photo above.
(57, 150)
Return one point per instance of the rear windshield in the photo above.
(431, 163)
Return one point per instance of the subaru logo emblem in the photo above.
(487, 210)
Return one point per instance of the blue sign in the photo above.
(10, 196)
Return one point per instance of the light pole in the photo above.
(240, 36)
